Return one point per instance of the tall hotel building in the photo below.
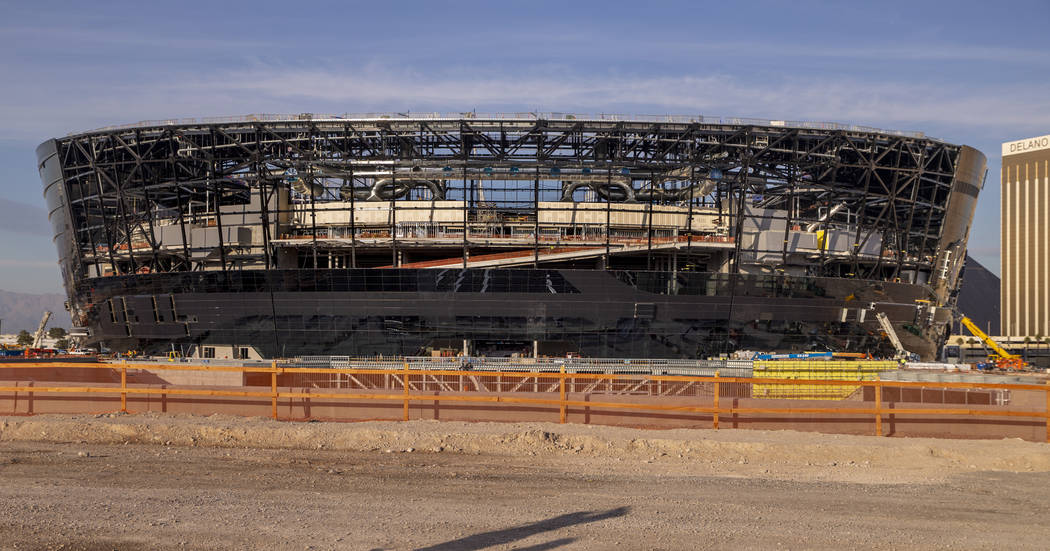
(1025, 290)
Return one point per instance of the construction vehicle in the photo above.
(40, 352)
(999, 357)
(9, 350)
(898, 347)
(852, 356)
(798, 356)
(38, 339)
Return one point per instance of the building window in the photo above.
(209, 352)
(242, 353)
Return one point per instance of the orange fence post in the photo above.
(123, 386)
(273, 388)
(561, 385)
(878, 406)
(714, 417)
(404, 383)
(562, 402)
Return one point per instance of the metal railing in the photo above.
(518, 116)
(735, 368)
(405, 385)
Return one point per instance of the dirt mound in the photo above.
(777, 454)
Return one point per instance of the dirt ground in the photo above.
(186, 482)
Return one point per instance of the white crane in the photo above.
(887, 328)
(38, 340)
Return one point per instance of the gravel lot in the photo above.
(185, 482)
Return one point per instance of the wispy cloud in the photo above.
(910, 105)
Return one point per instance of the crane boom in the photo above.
(988, 341)
(38, 339)
(1001, 357)
(887, 328)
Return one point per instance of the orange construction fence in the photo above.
(404, 377)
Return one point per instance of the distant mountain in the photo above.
(23, 311)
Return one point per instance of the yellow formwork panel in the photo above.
(832, 370)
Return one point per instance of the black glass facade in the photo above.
(404, 312)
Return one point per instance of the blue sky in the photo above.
(965, 72)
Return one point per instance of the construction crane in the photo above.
(38, 340)
(999, 356)
(887, 327)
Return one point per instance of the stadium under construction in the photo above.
(527, 234)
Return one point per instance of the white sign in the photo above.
(1026, 145)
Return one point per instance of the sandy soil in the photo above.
(149, 481)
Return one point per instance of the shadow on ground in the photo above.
(508, 535)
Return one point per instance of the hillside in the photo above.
(23, 310)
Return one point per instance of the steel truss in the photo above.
(122, 184)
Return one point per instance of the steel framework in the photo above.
(393, 191)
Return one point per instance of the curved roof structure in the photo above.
(476, 191)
